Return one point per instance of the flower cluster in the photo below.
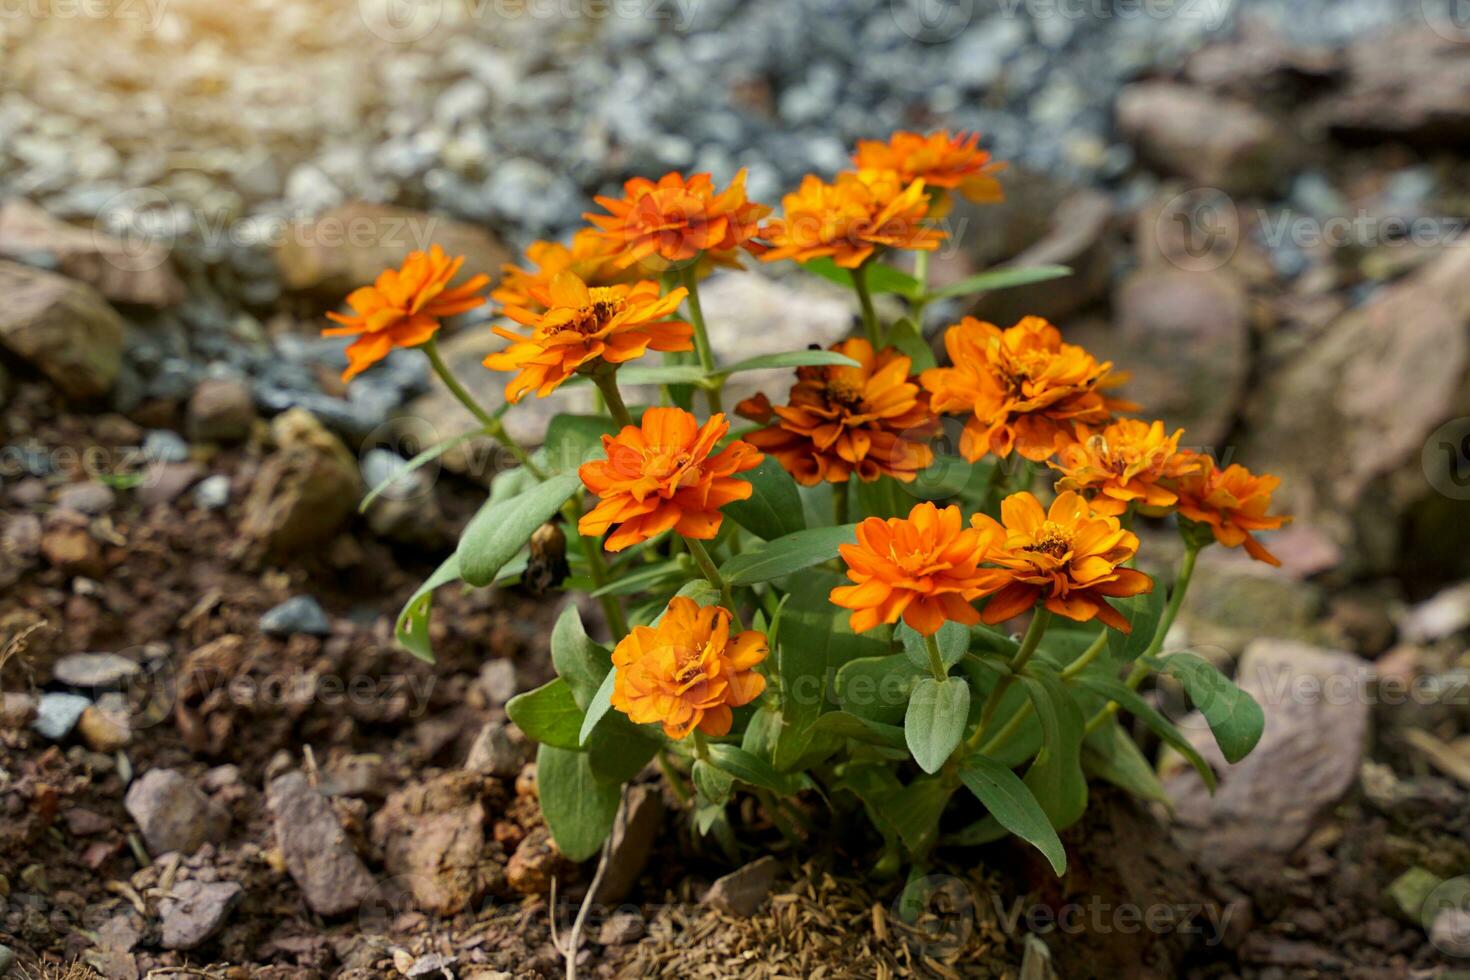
(812, 493)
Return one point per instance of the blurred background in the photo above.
(1264, 203)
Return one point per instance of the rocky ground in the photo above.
(212, 756)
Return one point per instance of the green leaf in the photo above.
(618, 749)
(583, 664)
(599, 706)
(773, 509)
(1056, 776)
(916, 811)
(1110, 754)
(648, 577)
(950, 477)
(1129, 699)
(846, 725)
(572, 440)
(908, 338)
(877, 687)
(1233, 715)
(662, 374)
(787, 554)
(751, 769)
(1143, 613)
(953, 639)
(412, 627)
(811, 639)
(579, 808)
(713, 783)
(935, 721)
(788, 359)
(498, 531)
(1014, 807)
(994, 279)
(548, 715)
(420, 460)
(881, 278)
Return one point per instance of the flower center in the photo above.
(591, 318)
(665, 463)
(844, 392)
(1053, 539)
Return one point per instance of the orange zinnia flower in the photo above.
(1123, 463)
(1025, 389)
(925, 568)
(687, 672)
(582, 325)
(677, 219)
(1232, 502)
(660, 475)
(870, 419)
(589, 256)
(403, 307)
(1070, 557)
(953, 162)
(851, 218)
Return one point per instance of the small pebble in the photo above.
(213, 492)
(57, 714)
(94, 670)
(164, 446)
(299, 614)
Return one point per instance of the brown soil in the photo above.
(231, 707)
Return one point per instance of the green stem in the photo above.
(493, 426)
(606, 379)
(690, 277)
(612, 606)
(921, 274)
(672, 778)
(839, 503)
(1171, 612)
(712, 574)
(865, 298)
(1071, 670)
(936, 662)
(1029, 643)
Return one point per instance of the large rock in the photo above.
(174, 814)
(1316, 704)
(318, 855)
(124, 272)
(1184, 339)
(305, 491)
(1348, 423)
(433, 835)
(1412, 85)
(64, 328)
(348, 246)
(1211, 140)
